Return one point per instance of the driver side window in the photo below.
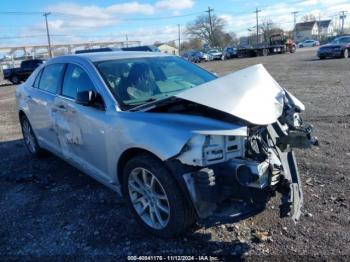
(75, 80)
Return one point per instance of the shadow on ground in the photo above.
(50, 208)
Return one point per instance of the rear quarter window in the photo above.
(37, 79)
(50, 77)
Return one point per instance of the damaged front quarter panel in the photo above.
(239, 142)
(260, 101)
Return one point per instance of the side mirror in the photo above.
(89, 98)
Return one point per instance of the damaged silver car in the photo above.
(178, 142)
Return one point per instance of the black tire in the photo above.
(292, 49)
(35, 149)
(15, 80)
(182, 215)
(322, 57)
(265, 52)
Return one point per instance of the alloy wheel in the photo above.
(148, 198)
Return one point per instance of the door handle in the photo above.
(61, 108)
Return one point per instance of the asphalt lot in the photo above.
(48, 208)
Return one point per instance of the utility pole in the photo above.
(48, 33)
(257, 11)
(342, 17)
(319, 27)
(179, 33)
(295, 22)
(211, 36)
(127, 40)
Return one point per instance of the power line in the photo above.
(68, 15)
(32, 36)
(20, 13)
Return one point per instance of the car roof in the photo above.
(110, 55)
(344, 36)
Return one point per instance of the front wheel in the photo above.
(346, 53)
(155, 198)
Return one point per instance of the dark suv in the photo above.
(19, 74)
(339, 47)
(229, 52)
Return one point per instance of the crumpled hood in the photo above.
(250, 94)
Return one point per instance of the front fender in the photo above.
(166, 134)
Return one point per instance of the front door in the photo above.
(81, 129)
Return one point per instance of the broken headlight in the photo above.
(203, 150)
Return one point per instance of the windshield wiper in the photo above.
(154, 102)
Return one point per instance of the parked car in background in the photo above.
(229, 52)
(194, 56)
(206, 57)
(94, 50)
(19, 74)
(308, 43)
(177, 142)
(214, 54)
(147, 48)
(339, 47)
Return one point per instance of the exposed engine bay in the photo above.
(253, 166)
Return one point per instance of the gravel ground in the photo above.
(50, 209)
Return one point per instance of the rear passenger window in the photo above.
(37, 79)
(51, 77)
(75, 80)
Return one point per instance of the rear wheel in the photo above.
(292, 49)
(265, 52)
(15, 79)
(29, 138)
(322, 57)
(155, 198)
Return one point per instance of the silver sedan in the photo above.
(175, 140)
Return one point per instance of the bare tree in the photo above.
(194, 43)
(200, 28)
(234, 38)
(308, 18)
(269, 28)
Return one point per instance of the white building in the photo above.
(167, 49)
(313, 30)
(306, 30)
(326, 28)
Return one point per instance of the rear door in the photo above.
(81, 129)
(40, 103)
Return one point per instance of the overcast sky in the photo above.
(88, 20)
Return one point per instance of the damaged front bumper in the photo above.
(211, 189)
